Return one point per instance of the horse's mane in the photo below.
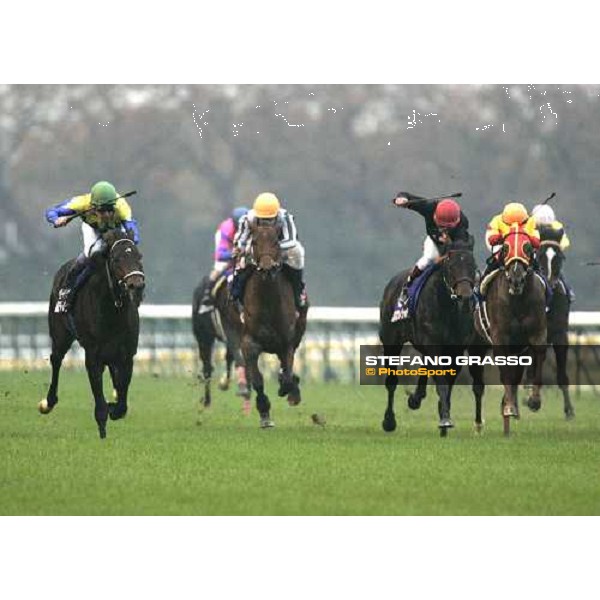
(461, 244)
(112, 235)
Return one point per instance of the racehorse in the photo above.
(270, 323)
(513, 319)
(551, 259)
(442, 325)
(104, 319)
(222, 322)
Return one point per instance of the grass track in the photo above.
(160, 461)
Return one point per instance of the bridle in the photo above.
(451, 288)
(123, 281)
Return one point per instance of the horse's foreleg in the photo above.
(95, 369)
(121, 374)
(560, 351)
(415, 399)
(288, 382)
(534, 402)
(443, 386)
(478, 387)
(510, 378)
(251, 352)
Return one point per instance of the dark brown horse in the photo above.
(442, 325)
(551, 259)
(104, 320)
(271, 323)
(219, 322)
(515, 304)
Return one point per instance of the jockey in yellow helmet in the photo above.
(513, 214)
(267, 207)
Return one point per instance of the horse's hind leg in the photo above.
(415, 399)
(391, 383)
(560, 351)
(95, 369)
(226, 379)
(205, 349)
(59, 349)
(121, 375)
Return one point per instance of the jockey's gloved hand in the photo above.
(61, 221)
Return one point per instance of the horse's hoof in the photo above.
(569, 415)
(102, 433)
(510, 411)
(478, 427)
(266, 424)
(206, 403)
(389, 424)
(294, 398)
(414, 402)
(243, 391)
(445, 424)
(44, 407)
(115, 412)
(534, 404)
(223, 383)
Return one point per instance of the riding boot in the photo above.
(76, 277)
(568, 288)
(401, 311)
(300, 297)
(238, 284)
(207, 297)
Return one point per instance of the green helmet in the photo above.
(103, 194)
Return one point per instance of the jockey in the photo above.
(224, 237)
(444, 222)
(513, 214)
(554, 231)
(100, 210)
(267, 207)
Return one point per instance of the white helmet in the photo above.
(543, 214)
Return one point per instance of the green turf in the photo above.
(160, 461)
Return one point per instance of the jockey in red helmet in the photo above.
(445, 222)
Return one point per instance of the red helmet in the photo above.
(447, 213)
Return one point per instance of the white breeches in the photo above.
(220, 266)
(430, 253)
(92, 240)
(294, 256)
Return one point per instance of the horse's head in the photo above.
(266, 251)
(551, 259)
(459, 270)
(125, 264)
(517, 254)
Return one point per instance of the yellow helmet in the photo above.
(266, 205)
(514, 212)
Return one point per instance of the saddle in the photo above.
(414, 292)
